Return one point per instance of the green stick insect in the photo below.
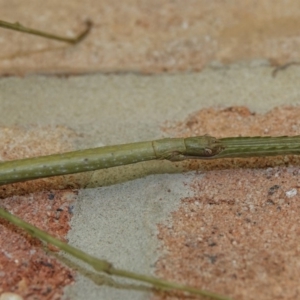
(173, 149)
(92, 159)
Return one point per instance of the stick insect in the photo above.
(91, 160)
(203, 147)
(174, 149)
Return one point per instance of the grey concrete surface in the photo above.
(118, 222)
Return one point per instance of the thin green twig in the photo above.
(19, 27)
(103, 265)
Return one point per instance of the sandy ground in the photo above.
(148, 37)
(229, 226)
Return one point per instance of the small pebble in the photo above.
(291, 193)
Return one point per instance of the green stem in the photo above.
(19, 27)
(103, 265)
